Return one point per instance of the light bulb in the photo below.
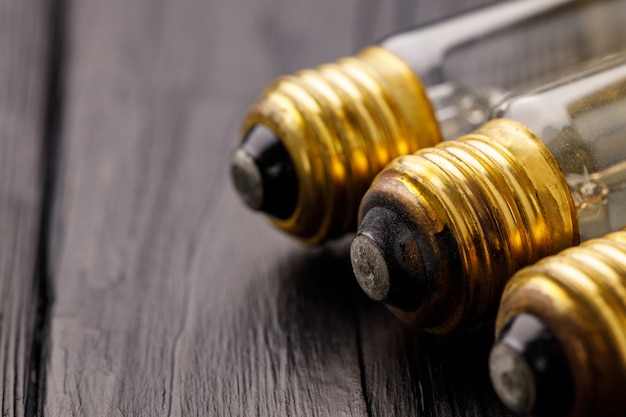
(443, 229)
(314, 141)
(561, 333)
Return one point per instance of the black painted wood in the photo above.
(170, 297)
(25, 33)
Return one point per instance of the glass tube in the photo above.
(314, 140)
(442, 230)
(534, 41)
(582, 120)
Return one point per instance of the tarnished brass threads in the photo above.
(481, 207)
(341, 124)
(580, 294)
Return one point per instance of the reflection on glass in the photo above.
(582, 120)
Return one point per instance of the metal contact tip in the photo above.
(370, 267)
(529, 371)
(263, 174)
(512, 378)
(386, 260)
(247, 179)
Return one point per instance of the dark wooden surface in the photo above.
(133, 281)
(25, 136)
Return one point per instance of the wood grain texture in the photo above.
(24, 77)
(171, 297)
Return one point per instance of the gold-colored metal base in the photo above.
(482, 207)
(580, 295)
(341, 124)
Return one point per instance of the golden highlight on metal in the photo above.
(580, 295)
(341, 123)
(479, 208)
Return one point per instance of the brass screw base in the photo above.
(341, 123)
(481, 207)
(580, 294)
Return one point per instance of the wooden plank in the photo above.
(25, 33)
(172, 298)
(377, 19)
(165, 303)
(408, 373)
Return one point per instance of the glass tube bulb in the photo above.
(314, 140)
(443, 229)
(561, 333)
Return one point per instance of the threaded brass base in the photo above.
(482, 207)
(342, 123)
(580, 295)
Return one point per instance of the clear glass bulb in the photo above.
(582, 120)
(561, 334)
(314, 141)
(442, 230)
(534, 40)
